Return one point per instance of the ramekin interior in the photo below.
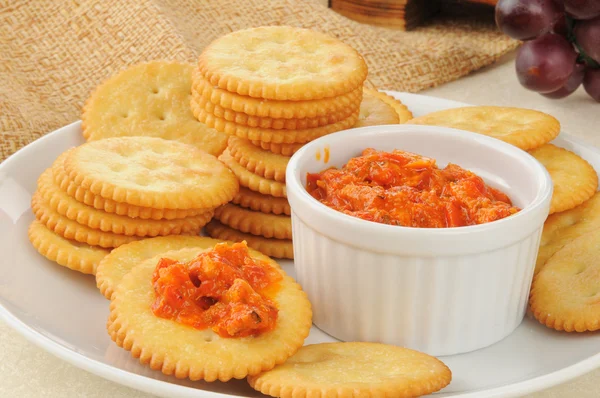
(501, 165)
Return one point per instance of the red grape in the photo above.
(571, 85)
(583, 9)
(591, 83)
(527, 19)
(587, 35)
(546, 63)
(560, 27)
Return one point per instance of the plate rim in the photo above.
(155, 386)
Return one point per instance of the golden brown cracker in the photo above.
(206, 92)
(280, 248)
(266, 122)
(259, 202)
(65, 205)
(70, 229)
(257, 160)
(186, 352)
(565, 294)
(562, 228)
(524, 128)
(121, 260)
(354, 369)
(574, 179)
(280, 149)
(149, 99)
(255, 222)
(282, 63)
(151, 172)
(374, 111)
(272, 135)
(110, 206)
(404, 114)
(68, 253)
(251, 180)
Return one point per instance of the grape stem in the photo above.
(582, 57)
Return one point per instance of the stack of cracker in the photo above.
(272, 89)
(107, 193)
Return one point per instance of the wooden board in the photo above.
(407, 14)
(401, 14)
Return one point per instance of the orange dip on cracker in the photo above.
(406, 189)
(223, 288)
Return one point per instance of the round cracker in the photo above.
(562, 228)
(280, 149)
(121, 260)
(68, 253)
(374, 111)
(267, 122)
(255, 222)
(150, 99)
(280, 248)
(565, 294)
(354, 369)
(259, 202)
(151, 172)
(257, 160)
(72, 230)
(186, 352)
(251, 180)
(110, 206)
(282, 63)
(274, 109)
(272, 135)
(65, 205)
(404, 115)
(575, 180)
(524, 128)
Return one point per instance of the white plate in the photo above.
(62, 312)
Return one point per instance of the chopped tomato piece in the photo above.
(406, 189)
(224, 288)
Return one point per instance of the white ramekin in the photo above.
(441, 291)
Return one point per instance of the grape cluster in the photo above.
(562, 44)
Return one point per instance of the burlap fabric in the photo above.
(53, 53)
